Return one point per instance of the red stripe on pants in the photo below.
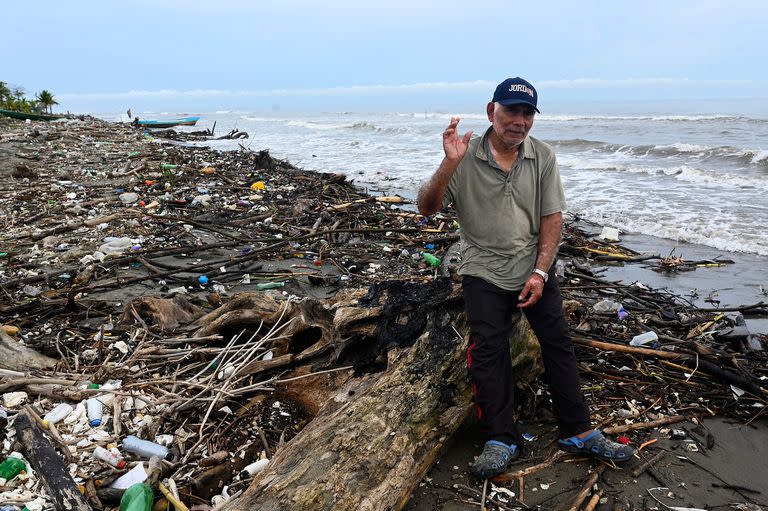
(474, 387)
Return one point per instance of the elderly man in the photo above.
(506, 189)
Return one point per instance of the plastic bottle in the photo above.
(138, 497)
(254, 468)
(59, 412)
(622, 313)
(12, 467)
(606, 305)
(269, 285)
(114, 245)
(145, 448)
(108, 457)
(430, 259)
(644, 338)
(128, 197)
(94, 408)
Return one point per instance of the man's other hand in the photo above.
(532, 291)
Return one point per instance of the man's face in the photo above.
(511, 123)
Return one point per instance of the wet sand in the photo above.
(738, 458)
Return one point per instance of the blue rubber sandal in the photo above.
(597, 445)
(495, 458)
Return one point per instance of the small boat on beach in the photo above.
(26, 115)
(166, 123)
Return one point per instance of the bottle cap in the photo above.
(95, 423)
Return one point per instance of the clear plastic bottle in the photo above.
(108, 457)
(59, 412)
(145, 448)
(94, 408)
(644, 338)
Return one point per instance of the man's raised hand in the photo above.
(455, 148)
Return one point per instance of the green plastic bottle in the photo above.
(430, 259)
(138, 497)
(12, 467)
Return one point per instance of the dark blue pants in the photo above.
(490, 311)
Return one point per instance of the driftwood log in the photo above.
(18, 357)
(49, 466)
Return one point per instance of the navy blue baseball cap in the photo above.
(515, 91)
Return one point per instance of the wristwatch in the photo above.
(544, 275)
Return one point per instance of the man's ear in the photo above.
(489, 110)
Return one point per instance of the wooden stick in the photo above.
(264, 442)
(593, 501)
(22, 382)
(507, 476)
(607, 346)
(651, 462)
(586, 488)
(672, 419)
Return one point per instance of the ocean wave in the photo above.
(364, 126)
(759, 156)
(712, 228)
(658, 118)
(686, 151)
(314, 125)
(389, 130)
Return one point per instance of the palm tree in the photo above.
(46, 99)
(5, 93)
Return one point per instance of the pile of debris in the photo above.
(215, 325)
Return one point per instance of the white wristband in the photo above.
(544, 275)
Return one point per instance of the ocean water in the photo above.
(699, 177)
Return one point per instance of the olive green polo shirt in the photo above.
(500, 213)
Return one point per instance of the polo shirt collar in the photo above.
(528, 151)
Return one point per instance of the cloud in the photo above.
(328, 91)
(481, 85)
(635, 82)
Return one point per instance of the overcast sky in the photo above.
(190, 55)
